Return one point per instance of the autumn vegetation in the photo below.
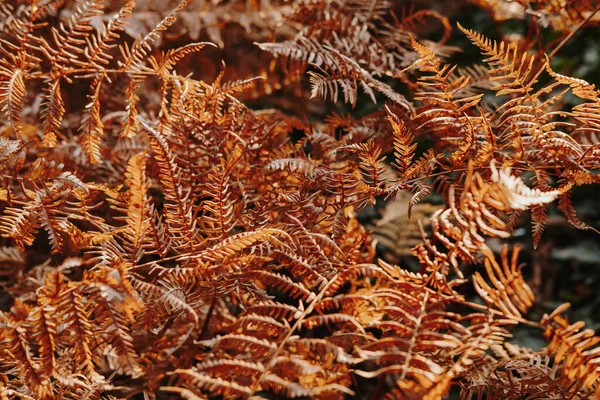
(185, 192)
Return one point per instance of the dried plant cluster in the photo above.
(175, 226)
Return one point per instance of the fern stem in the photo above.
(296, 325)
(573, 33)
(207, 319)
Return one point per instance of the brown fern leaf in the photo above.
(52, 112)
(444, 109)
(334, 68)
(179, 217)
(404, 147)
(462, 227)
(404, 353)
(236, 243)
(18, 352)
(118, 347)
(136, 55)
(138, 207)
(173, 225)
(97, 53)
(220, 209)
(198, 381)
(69, 40)
(77, 316)
(575, 349)
(13, 96)
(566, 206)
(509, 294)
(532, 375)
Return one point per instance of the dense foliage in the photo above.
(188, 192)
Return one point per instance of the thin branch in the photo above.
(573, 32)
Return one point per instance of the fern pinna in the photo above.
(174, 226)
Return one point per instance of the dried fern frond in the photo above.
(516, 195)
(176, 225)
(510, 294)
(13, 96)
(573, 348)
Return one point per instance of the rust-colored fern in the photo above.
(198, 210)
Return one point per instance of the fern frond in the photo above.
(236, 243)
(334, 68)
(116, 328)
(445, 109)
(97, 53)
(77, 317)
(13, 96)
(576, 350)
(404, 146)
(20, 354)
(294, 390)
(566, 206)
(510, 294)
(242, 343)
(260, 326)
(219, 208)
(285, 285)
(92, 127)
(516, 194)
(167, 62)
(21, 225)
(45, 334)
(275, 310)
(518, 70)
(179, 217)
(69, 40)
(422, 190)
(135, 57)
(163, 295)
(200, 381)
(53, 110)
(139, 208)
